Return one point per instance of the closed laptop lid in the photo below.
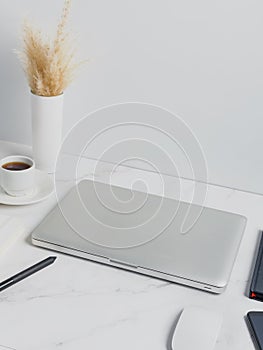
(145, 230)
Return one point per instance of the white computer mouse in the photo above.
(197, 329)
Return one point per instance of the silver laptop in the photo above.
(144, 233)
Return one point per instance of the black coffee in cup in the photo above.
(16, 166)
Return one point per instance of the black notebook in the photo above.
(256, 288)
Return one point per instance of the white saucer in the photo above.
(43, 189)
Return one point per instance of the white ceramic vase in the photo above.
(47, 119)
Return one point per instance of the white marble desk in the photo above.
(77, 305)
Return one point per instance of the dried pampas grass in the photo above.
(49, 65)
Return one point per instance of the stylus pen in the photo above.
(27, 272)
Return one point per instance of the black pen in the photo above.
(27, 272)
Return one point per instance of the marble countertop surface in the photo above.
(77, 304)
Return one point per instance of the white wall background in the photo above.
(202, 60)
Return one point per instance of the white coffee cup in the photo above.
(17, 182)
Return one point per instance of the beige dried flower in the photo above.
(49, 65)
